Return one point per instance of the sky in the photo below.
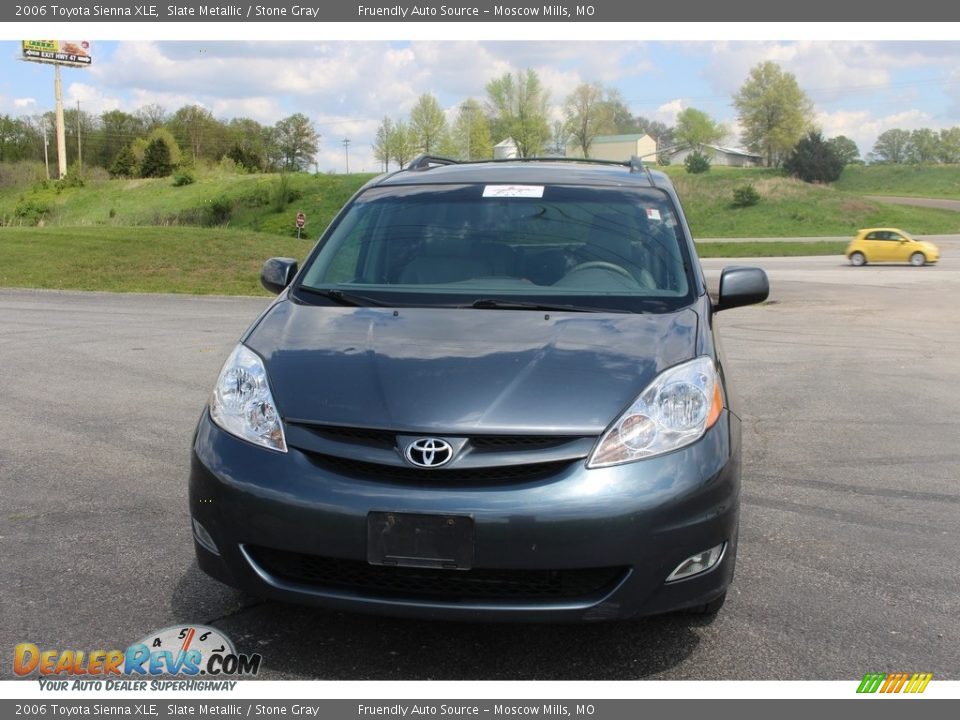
(859, 88)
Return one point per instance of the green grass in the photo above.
(769, 249)
(201, 261)
(252, 202)
(141, 259)
(932, 181)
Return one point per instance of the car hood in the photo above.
(464, 370)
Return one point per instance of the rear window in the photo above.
(452, 243)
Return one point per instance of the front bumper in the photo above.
(643, 519)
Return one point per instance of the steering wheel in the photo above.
(601, 265)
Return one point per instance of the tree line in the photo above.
(151, 142)
(773, 112)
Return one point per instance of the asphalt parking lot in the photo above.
(850, 382)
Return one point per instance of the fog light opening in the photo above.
(699, 563)
(203, 537)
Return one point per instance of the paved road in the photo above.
(940, 203)
(850, 383)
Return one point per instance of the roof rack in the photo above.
(425, 162)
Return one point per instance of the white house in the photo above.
(720, 155)
(618, 147)
(506, 149)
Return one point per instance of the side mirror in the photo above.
(742, 286)
(277, 273)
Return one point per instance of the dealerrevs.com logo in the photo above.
(180, 651)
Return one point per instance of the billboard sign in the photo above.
(75, 53)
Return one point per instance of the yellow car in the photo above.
(890, 245)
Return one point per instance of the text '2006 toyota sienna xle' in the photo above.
(493, 391)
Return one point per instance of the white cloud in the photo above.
(24, 103)
(862, 128)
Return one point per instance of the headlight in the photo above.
(242, 403)
(675, 410)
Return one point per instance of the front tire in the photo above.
(858, 259)
(918, 259)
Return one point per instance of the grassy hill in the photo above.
(269, 203)
(932, 181)
(263, 203)
(789, 207)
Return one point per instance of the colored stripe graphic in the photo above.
(894, 682)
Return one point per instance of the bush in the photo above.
(697, 163)
(125, 164)
(184, 177)
(814, 160)
(156, 160)
(31, 210)
(745, 196)
(218, 212)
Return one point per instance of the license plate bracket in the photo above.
(420, 540)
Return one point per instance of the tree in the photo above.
(695, 129)
(296, 142)
(518, 109)
(156, 159)
(402, 143)
(773, 111)
(428, 123)
(950, 145)
(924, 146)
(845, 149)
(618, 114)
(814, 160)
(247, 144)
(15, 139)
(195, 127)
(124, 165)
(151, 116)
(892, 146)
(471, 132)
(382, 152)
(586, 115)
(118, 129)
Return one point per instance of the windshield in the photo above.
(595, 247)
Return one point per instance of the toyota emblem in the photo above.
(429, 452)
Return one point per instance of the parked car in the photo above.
(876, 245)
(493, 391)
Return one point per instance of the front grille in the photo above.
(362, 436)
(482, 443)
(519, 443)
(475, 584)
(443, 477)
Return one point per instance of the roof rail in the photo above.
(425, 162)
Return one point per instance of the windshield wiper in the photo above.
(493, 304)
(344, 298)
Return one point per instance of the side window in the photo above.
(872, 236)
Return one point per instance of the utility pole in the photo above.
(346, 152)
(46, 159)
(61, 132)
(79, 150)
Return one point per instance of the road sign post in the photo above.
(301, 221)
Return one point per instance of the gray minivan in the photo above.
(493, 391)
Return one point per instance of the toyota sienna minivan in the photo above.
(493, 391)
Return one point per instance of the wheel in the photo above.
(710, 608)
(918, 259)
(857, 259)
(601, 265)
